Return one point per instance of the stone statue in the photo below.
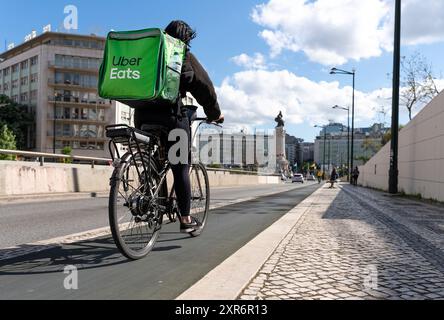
(280, 121)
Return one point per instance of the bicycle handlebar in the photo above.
(210, 122)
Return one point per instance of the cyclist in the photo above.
(195, 80)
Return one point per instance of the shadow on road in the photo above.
(91, 254)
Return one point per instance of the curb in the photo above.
(52, 197)
(227, 280)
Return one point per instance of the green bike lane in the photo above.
(176, 263)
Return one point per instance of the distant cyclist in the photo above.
(195, 80)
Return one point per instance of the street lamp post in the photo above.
(348, 138)
(325, 145)
(393, 172)
(352, 73)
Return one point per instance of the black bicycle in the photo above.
(140, 196)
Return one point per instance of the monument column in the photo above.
(281, 159)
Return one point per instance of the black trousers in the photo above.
(181, 172)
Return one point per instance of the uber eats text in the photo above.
(129, 73)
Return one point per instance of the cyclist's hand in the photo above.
(220, 120)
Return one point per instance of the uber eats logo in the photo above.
(117, 73)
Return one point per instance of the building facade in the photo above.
(56, 75)
(236, 149)
(367, 142)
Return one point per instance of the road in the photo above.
(176, 263)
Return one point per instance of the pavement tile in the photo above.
(371, 251)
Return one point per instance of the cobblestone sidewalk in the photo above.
(356, 243)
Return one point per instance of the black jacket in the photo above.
(195, 80)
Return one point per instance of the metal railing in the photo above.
(42, 156)
(252, 173)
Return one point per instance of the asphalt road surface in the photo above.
(176, 263)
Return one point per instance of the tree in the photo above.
(388, 136)
(67, 151)
(418, 81)
(7, 142)
(17, 118)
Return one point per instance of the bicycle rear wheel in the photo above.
(135, 216)
(200, 196)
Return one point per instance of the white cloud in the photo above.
(423, 21)
(258, 61)
(332, 32)
(255, 97)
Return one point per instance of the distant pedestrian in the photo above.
(319, 174)
(355, 176)
(333, 178)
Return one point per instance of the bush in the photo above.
(7, 142)
(67, 151)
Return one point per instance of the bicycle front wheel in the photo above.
(200, 196)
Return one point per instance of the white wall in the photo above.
(421, 156)
(25, 178)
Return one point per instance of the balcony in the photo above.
(73, 101)
(68, 85)
(74, 68)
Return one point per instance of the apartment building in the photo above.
(56, 75)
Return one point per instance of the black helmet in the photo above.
(181, 30)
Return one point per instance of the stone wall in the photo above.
(421, 156)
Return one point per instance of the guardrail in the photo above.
(41, 156)
(254, 173)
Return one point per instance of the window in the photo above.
(100, 132)
(84, 97)
(66, 130)
(58, 130)
(84, 114)
(6, 86)
(33, 95)
(14, 84)
(92, 98)
(34, 78)
(14, 98)
(92, 114)
(24, 65)
(24, 81)
(66, 113)
(67, 42)
(34, 60)
(75, 113)
(15, 68)
(24, 97)
(76, 130)
(101, 114)
(6, 72)
(59, 113)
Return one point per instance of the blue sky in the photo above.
(296, 77)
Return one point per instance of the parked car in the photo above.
(298, 178)
(311, 177)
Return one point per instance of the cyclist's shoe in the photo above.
(195, 225)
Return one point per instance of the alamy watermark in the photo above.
(71, 281)
(214, 147)
(71, 21)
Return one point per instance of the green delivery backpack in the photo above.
(141, 66)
